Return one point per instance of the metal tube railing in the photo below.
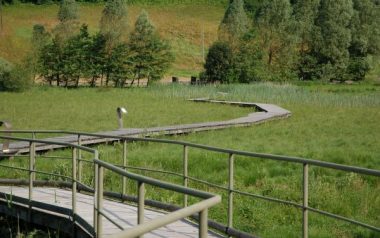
(304, 162)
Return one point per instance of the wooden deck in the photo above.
(123, 214)
(266, 112)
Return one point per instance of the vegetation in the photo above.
(310, 40)
(336, 123)
(13, 78)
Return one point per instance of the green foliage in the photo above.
(68, 16)
(331, 39)
(276, 27)
(75, 58)
(68, 11)
(151, 55)
(119, 65)
(114, 24)
(227, 66)
(13, 78)
(235, 22)
(51, 62)
(219, 63)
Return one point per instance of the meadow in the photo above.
(336, 123)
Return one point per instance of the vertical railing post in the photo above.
(74, 185)
(31, 176)
(305, 218)
(99, 226)
(141, 203)
(230, 188)
(185, 172)
(34, 155)
(96, 186)
(79, 159)
(203, 223)
(124, 179)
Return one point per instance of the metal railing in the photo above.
(208, 199)
(228, 228)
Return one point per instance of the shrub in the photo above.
(13, 78)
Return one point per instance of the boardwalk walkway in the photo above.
(125, 215)
(265, 112)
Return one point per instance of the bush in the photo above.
(219, 64)
(13, 78)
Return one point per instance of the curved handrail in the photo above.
(305, 162)
(208, 201)
(291, 159)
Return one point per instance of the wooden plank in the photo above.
(266, 112)
(124, 214)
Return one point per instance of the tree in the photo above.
(150, 54)
(331, 39)
(75, 57)
(276, 33)
(40, 38)
(219, 64)
(114, 24)
(235, 22)
(97, 59)
(119, 65)
(365, 37)
(51, 63)
(305, 13)
(13, 78)
(68, 25)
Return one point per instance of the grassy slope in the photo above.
(329, 122)
(181, 24)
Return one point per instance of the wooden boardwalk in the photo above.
(125, 215)
(265, 113)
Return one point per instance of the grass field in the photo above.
(337, 123)
(182, 25)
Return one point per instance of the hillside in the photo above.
(183, 25)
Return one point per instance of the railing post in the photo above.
(31, 176)
(203, 223)
(79, 159)
(185, 173)
(124, 179)
(305, 218)
(96, 186)
(99, 220)
(74, 185)
(141, 202)
(34, 155)
(230, 188)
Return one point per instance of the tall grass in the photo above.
(329, 122)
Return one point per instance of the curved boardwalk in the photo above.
(125, 215)
(265, 112)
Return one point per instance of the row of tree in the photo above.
(69, 54)
(288, 39)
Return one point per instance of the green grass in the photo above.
(336, 123)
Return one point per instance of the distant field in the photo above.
(182, 24)
(337, 123)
